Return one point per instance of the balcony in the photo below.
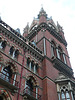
(9, 83)
(61, 66)
(31, 95)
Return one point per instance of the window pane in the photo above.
(63, 96)
(67, 95)
(1, 45)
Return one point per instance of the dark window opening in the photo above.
(2, 44)
(53, 49)
(60, 53)
(32, 65)
(7, 73)
(37, 68)
(29, 86)
(1, 98)
(28, 62)
(16, 53)
(11, 50)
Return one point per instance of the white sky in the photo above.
(17, 13)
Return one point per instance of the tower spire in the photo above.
(42, 13)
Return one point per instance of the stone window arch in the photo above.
(65, 95)
(32, 65)
(14, 52)
(4, 95)
(2, 43)
(31, 86)
(9, 73)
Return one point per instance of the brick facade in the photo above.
(35, 66)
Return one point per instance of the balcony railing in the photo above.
(32, 95)
(8, 82)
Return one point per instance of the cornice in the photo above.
(21, 41)
(51, 30)
(61, 66)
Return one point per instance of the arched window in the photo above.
(28, 62)
(60, 53)
(14, 53)
(53, 49)
(36, 68)
(11, 50)
(2, 44)
(7, 73)
(31, 87)
(32, 65)
(65, 95)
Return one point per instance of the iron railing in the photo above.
(8, 79)
(31, 93)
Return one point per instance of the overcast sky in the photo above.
(17, 13)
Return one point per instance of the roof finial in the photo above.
(41, 5)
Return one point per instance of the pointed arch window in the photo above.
(53, 49)
(31, 87)
(2, 44)
(65, 95)
(60, 53)
(14, 53)
(11, 50)
(32, 65)
(28, 61)
(7, 73)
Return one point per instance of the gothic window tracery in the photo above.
(31, 87)
(8, 73)
(32, 65)
(65, 95)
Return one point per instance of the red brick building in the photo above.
(35, 65)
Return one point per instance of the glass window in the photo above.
(53, 49)
(11, 50)
(67, 96)
(16, 53)
(28, 62)
(7, 73)
(1, 45)
(63, 95)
